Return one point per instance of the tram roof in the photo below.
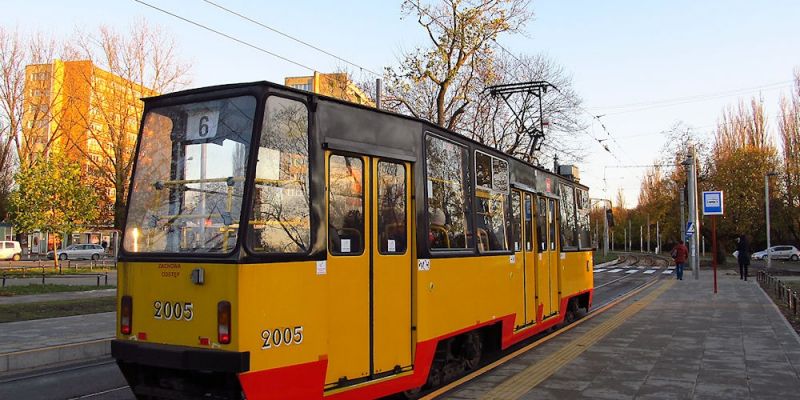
(318, 97)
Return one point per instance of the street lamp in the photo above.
(766, 203)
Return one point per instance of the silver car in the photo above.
(778, 252)
(79, 251)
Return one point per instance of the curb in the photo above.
(34, 358)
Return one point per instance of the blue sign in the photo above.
(689, 229)
(712, 203)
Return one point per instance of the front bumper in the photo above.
(180, 373)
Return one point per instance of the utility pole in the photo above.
(658, 238)
(625, 242)
(682, 229)
(766, 204)
(605, 230)
(630, 237)
(648, 233)
(378, 90)
(641, 240)
(694, 242)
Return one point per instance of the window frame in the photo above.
(364, 206)
(506, 203)
(258, 113)
(407, 209)
(250, 179)
(469, 193)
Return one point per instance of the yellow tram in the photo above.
(281, 244)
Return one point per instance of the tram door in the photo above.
(529, 252)
(547, 260)
(368, 267)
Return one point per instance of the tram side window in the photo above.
(582, 197)
(392, 207)
(569, 237)
(491, 192)
(541, 224)
(346, 205)
(280, 221)
(516, 221)
(447, 190)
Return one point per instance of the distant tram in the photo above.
(284, 245)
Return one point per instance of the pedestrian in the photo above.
(743, 247)
(680, 253)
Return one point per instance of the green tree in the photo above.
(51, 197)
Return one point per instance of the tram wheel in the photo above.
(472, 350)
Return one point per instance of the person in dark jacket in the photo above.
(743, 247)
(680, 253)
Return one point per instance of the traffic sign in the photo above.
(689, 229)
(712, 203)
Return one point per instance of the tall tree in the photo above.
(742, 155)
(789, 128)
(435, 83)
(146, 61)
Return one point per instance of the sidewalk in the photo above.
(41, 342)
(676, 340)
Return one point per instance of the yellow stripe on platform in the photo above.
(520, 384)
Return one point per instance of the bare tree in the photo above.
(789, 128)
(138, 63)
(490, 120)
(435, 83)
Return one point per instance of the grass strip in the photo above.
(53, 309)
(48, 288)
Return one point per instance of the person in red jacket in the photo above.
(680, 253)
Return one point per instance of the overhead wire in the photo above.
(286, 35)
(225, 35)
(699, 97)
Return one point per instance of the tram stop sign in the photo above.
(712, 203)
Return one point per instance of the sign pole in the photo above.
(714, 249)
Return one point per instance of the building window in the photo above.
(302, 86)
(447, 191)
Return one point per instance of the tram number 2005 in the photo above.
(281, 336)
(173, 310)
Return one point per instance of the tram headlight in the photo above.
(224, 322)
(126, 315)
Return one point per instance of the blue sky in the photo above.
(618, 52)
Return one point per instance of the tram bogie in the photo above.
(281, 244)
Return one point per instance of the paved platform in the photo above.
(37, 343)
(675, 340)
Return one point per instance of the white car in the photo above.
(77, 251)
(10, 250)
(778, 252)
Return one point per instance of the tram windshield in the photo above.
(188, 185)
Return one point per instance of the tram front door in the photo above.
(369, 267)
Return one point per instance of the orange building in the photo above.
(334, 85)
(87, 113)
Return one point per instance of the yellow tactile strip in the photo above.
(516, 386)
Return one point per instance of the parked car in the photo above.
(778, 252)
(78, 251)
(10, 250)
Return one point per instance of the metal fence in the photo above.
(779, 289)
